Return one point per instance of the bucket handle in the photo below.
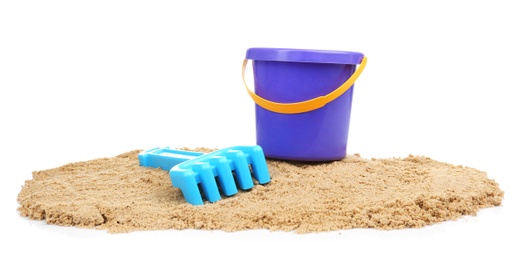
(303, 106)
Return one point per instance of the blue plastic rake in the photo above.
(221, 171)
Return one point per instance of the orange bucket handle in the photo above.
(304, 106)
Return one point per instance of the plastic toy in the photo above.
(304, 100)
(198, 173)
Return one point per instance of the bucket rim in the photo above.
(304, 55)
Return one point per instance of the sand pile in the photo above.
(118, 195)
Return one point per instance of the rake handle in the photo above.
(165, 158)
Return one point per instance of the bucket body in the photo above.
(317, 135)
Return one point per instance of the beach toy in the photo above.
(221, 171)
(303, 101)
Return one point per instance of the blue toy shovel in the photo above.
(198, 173)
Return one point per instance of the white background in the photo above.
(81, 80)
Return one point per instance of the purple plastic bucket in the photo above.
(296, 75)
